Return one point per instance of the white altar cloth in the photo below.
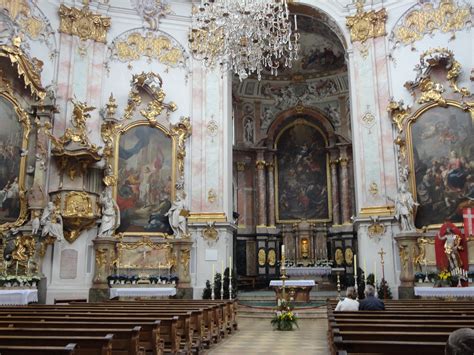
(293, 283)
(444, 291)
(308, 271)
(142, 292)
(18, 297)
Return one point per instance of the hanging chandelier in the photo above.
(244, 36)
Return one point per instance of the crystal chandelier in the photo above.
(244, 36)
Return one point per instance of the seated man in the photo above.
(349, 303)
(460, 342)
(371, 303)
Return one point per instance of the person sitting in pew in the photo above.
(460, 342)
(349, 303)
(370, 302)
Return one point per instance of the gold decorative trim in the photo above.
(425, 19)
(241, 166)
(182, 131)
(29, 70)
(154, 46)
(271, 257)
(83, 23)
(260, 164)
(207, 217)
(377, 211)
(6, 92)
(78, 214)
(364, 25)
(262, 257)
(170, 258)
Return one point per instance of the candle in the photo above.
(213, 266)
(365, 271)
(222, 268)
(283, 250)
(296, 25)
(16, 269)
(375, 273)
(230, 265)
(355, 265)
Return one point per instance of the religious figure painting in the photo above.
(443, 158)
(11, 137)
(302, 174)
(145, 180)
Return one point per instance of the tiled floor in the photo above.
(256, 337)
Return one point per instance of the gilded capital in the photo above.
(260, 164)
(240, 166)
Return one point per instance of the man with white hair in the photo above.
(370, 302)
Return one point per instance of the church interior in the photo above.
(177, 176)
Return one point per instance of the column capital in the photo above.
(260, 164)
(241, 166)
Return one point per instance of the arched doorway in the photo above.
(314, 91)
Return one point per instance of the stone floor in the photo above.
(256, 337)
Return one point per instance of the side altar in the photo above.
(148, 263)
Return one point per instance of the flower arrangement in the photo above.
(443, 279)
(284, 318)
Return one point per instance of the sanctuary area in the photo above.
(171, 168)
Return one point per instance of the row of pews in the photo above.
(405, 327)
(116, 327)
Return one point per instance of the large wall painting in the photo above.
(442, 139)
(11, 143)
(302, 173)
(145, 185)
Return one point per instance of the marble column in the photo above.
(345, 190)
(336, 216)
(261, 190)
(271, 192)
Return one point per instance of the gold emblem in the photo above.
(271, 257)
(262, 257)
(339, 257)
(348, 256)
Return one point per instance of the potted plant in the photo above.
(284, 318)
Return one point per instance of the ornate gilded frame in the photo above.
(428, 92)
(174, 164)
(301, 121)
(6, 92)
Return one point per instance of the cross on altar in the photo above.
(381, 253)
(468, 216)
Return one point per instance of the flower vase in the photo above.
(33, 284)
(8, 284)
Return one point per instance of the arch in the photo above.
(318, 118)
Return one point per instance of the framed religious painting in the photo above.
(14, 132)
(302, 174)
(145, 166)
(441, 155)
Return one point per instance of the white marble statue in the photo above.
(177, 217)
(52, 223)
(404, 205)
(110, 214)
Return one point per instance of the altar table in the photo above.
(18, 297)
(444, 291)
(297, 289)
(142, 292)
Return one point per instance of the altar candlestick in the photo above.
(375, 273)
(213, 266)
(355, 266)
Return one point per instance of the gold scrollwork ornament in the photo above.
(364, 25)
(83, 23)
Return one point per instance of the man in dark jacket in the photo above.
(370, 302)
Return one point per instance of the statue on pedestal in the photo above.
(452, 246)
(52, 223)
(404, 205)
(110, 214)
(177, 218)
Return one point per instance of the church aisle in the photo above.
(256, 337)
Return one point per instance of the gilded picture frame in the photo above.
(24, 120)
(441, 155)
(327, 176)
(154, 211)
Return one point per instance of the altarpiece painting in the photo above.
(11, 142)
(302, 173)
(145, 185)
(443, 161)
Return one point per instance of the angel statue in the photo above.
(110, 214)
(177, 217)
(404, 205)
(52, 223)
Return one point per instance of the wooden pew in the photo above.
(86, 345)
(69, 349)
(125, 341)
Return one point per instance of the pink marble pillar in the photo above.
(345, 191)
(241, 203)
(336, 216)
(261, 190)
(271, 192)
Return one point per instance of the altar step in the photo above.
(244, 311)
